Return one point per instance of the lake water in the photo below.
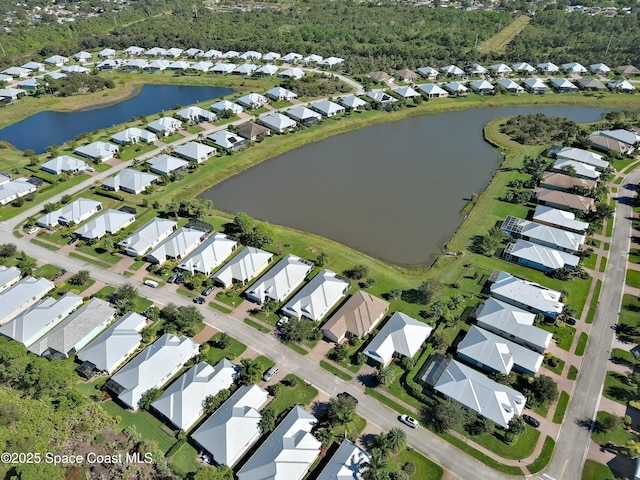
(392, 190)
(46, 128)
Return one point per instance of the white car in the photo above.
(33, 230)
(410, 421)
(283, 321)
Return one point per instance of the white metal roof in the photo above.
(75, 212)
(165, 164)
(401, 334)
(317, 297)
(146, 236)
(560, 218)
(243, 266)
(517, 292)
(543, 234)
(109, 222)
(64, 163)
(346, 463)
(130, 180)
(215, 250)
(584, 156)
(180, 243)
(278, 283)
(22, 294)
(581, 169)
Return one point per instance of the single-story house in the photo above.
(179, 65)
(381, 96)
(22, 295)
(193, 52)
(75, 331)
(401, 336)
(356, 318)
(98, 151)
(230, 54)
(330, 62)
(130, 181)
(153, 66)
(196, 115)
(548, 68)
(512, 323)
(211, 254)
(35, 66)
(271, 57)
(266, 70)
(621, 86)
(29, 84)
(456, 88)
(582, 170)
(244, 69)
(202, 66)
(583, 156)
(109, 64)
(165, 164)
(212, 54)
(228, 141)
(110, 221)
(381, 77)
(173, 52)
(34, 322)
(10, 191)
(562, 85)
(625, 136)
(17, 72)
(107, 53)
(600, 69)
(252, 100)
(233, 428)
(452, 71)
(133, 51)
(295, 73)
(252, 131)
(564, 201)
(165, 125)
(11, 93)
(151, 368)
(75, 69)
(242, 268)
(526, 295)
(510, 86)
(155, 52)
(179, 244)
(431, 90)
(500, 69)
(277, 122)
(574, 68)
(628, 71)
(539, 257)
(317, 297)
(313, 58)
(328, 108)
(281, 280)
(347, 463)
(148, 236)
(523, 67)
(134, 135)
(429, 73)
(279, 94)
(559, 218)
(474, 390)
(56, 60)
(287, 453)
(475, 69)
(71, 213)
(9, 276)
(224, 105)
(351, 102)
(495, 354)
(406, 75)
(63, 164)
(608, 144)
(223, 68)
(57, 75)
(304, 115)
(182, 402)
(135, 64)
(590, 83)
(292, 57)
(109, 350)
(406, 92)
(544, 235)
(195, 152)
(482, 87)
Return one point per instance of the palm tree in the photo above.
(397, 439)
(26, 265)
(376, 467)
(250, 371)
(385, 375)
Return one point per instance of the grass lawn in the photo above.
(301, 394)
(105, 257)
(542, 410)
(220, 308)
(582, 344)
(624, 357)
(561, 407)
(618, 435)
(603, 264)
(545, 456)
(590, 262)
(171, 138)
(609, 227)
(562, 334)
(92, 260)
(185, 293)
(336, 371)
(137, 265)
(521, 448)
(230, 297)
(633, 278)
(389, 402)
(425, 468)
(572, 374)
(214, 355)
(296, 348)
(354, 428)
(184, 461)
(257, 326)
(281, 104)
(594, 302)
(46, 245)
(596, 471)
(149, 427)
(557, 369)
(132, 151)
(490, 462)
(616, 389)
(194, 129)
(47, 271)
(77, 289)
(105, 292)
(629, 311)
(265, 362)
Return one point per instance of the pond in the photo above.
(393, 190)
(46, 128)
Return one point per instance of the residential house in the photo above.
(609, 145)
(56, 60)
(406, 75)
(230, 54)
(196, 115)
(226, 105)
(110, 221)
(252, 100)
(475, 69)
(510, 86)
(281, 280)
(292, 58)
(173, 52)
(474, 390)
(109, 64)
(155, 52)
(381, 77)
(524, 68)
(280, 94)
(165, 126)
(136, 64)
(287, 453)
(295, 73)
(456, 88)
(9, 276)
(71, 214)
(148, 236)
(75, 331)
(351, 102)
(133, 51)
(210, 255)
(212, 54)
(628, 71)
(112, 347)
(539, 257)
(313, 58)
(234, 427)
(347, 463)
(277, 122)
(151, 368)
(98, 151)
(559, 218)
(195, 152)
(356, 318)
(406, 92)
(526, 295)
(179, 65)
(482, 87)
(107, 53)
(30, 84)
(166, 164)
(583, 156)
(75, 69)
(624, 136)
(244, 69)
(134, 135)
(581, 170)
(35, 66)
(304, 115)
(223, 68)
(63, 164)
(10, 191)
(177, 246)
(544, 235)
(153, 66)
(548, 68)
(34, 322)
(381, 96)
(317, 297)
(452, 71)
(512, 323)
(251, 56)
(271, 57)
(193, 53)
(57, 75)
(431, 90)
(592, 84)
(429, 73)
(252, 131)
(22, 295)
(228, 141)
(130, 181)
(329, 109)
(401, 336)
(182, 402)
(495, 354)
(621, 86)
(600, 69)
(500, 69)
(17, 72)
(266, 70)
(562, 85)
(202, 66)
(11, 93)
(242, 268)
(564, 201)
(574, 68)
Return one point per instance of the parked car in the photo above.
(268, 375)
(347, 395)
(33, 230)
(172, 278)
(151, 283)
(179, 278)
(72, 241)
(283, 321)
(207, 291)
(199, 300)
(534, 422)
(570, 321)
(410, 421)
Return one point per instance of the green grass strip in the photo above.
(372, 392)
(220, 308)
(545, 456)
(336, 371)
(594, 302)
(582, 344)
(607, 246)
(561, 407)
(46, 245)
(609, 227)
(89, 260)
(490, 462)
(603, 264)
(257, 326)
(573, 373)
(295, 347)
